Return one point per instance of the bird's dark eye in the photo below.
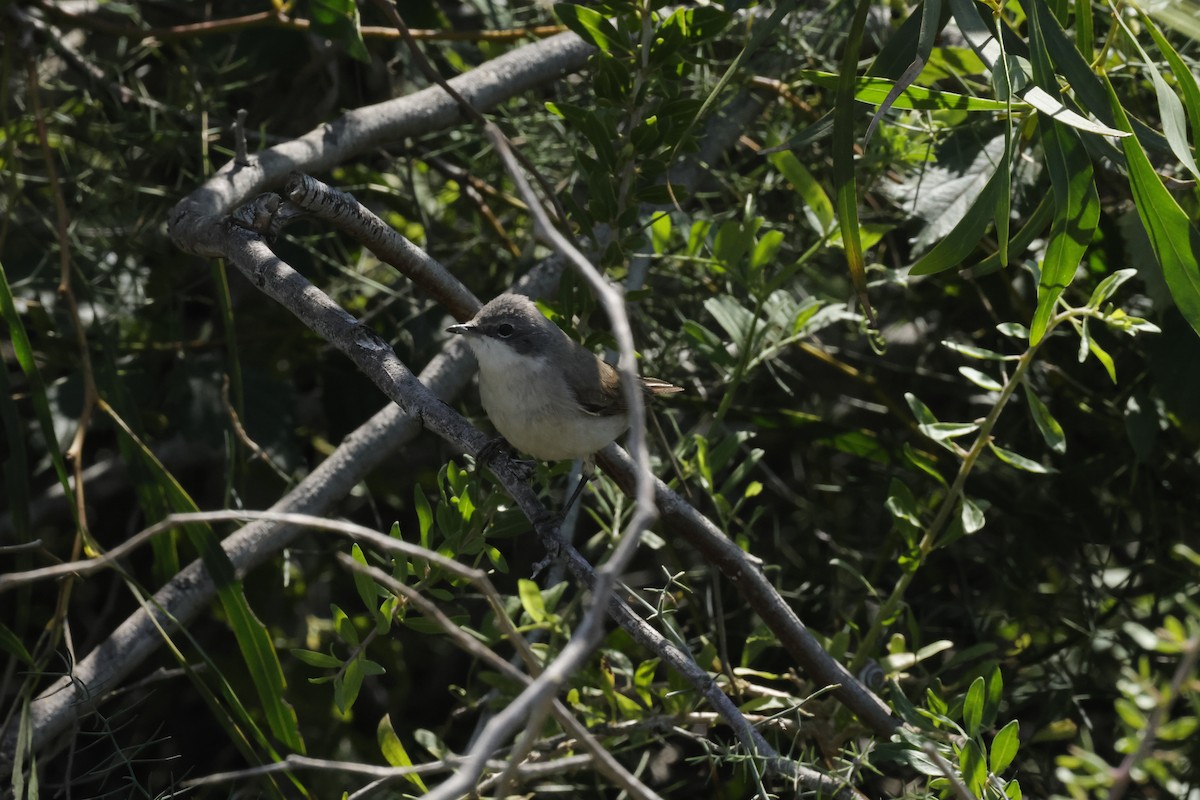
(504, 330)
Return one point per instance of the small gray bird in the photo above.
(548, 396)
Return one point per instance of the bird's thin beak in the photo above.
(465, 329)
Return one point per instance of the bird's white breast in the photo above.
(531, 406)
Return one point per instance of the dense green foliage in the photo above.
(942, 380)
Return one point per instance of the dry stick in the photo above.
(342, 210)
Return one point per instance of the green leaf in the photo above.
(1013, 329)
(424, 515)
(338, 21)
(1173, 239)
(973, 707)
(818, 208)
(962, 240)
(660, 232)
(1108, 287)
(983, 41)
(1047, 425)
(1076, 201)
(976, 352)
(1170, 109)
(531, 600)
(343, 626)
(995, 693)
(1004, 747)
(367, 591)
(393, 750)
(940, 431)
(1184, 77)
(902, 504)
(12, 644)
(1019, 461)
(920, 411)
(980, 379)
(593, 27)
(874, 91)
(973, 766)
(845, 185)
(347, 685)
(973, 518)
(315, 659)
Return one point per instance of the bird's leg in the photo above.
(587, 475)
(500, 445)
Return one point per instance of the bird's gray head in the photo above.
(514, 321)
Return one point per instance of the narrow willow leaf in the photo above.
(1004, 747)
(1170, 109)
(973, 707)
(1013, 329)
(920, 411)
(931, 24)
(367, 591)
(972, 351)
(1184, 77)
(1174, 240)
(873, 91)
(1108, 287)
(347, 686)
(984, 43)
(593, 27)
(940, 431)
(1019, 461)
(845, 185)
(995, 693)
(1046, 424)
(980, 379)
(1076, 201)
(973, 518)
(316, 659)
(973, 766)
(253, 639)
(394, 752)
(818, 208)
(955, 246)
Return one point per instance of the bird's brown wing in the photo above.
(659, 386)
(597, 385)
